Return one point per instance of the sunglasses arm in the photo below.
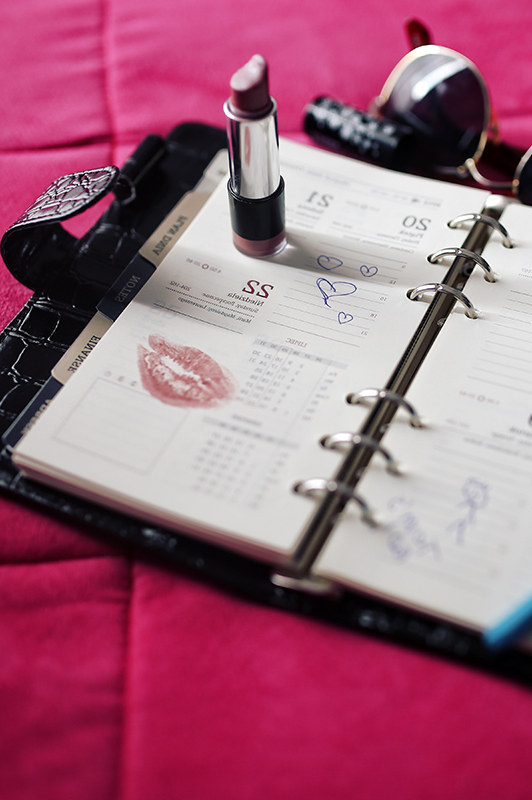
(471, 167)
(417, 33)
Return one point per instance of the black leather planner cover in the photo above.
(69, 277)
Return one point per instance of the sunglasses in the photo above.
(443, 99)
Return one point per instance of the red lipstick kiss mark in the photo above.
(183, 376)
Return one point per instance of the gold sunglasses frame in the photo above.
(380, 102)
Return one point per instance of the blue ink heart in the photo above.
(330, 289)
(368, 272)
(329, 262)
(343, 317)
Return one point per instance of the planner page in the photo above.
(456, 532)
(204, 403)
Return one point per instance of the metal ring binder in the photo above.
(313, 486)
(334, 441)
(486, 220)
(471, 311)
(357, 459)
(313, 584)
(360, 398)
(459, 252)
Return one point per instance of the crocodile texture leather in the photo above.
(68, 196)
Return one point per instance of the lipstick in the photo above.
(256, 188)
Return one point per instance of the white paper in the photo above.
(457, 538)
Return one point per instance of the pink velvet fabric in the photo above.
(121, 680)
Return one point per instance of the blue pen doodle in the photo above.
(476, 496)
(368, 272)
(343, 318)
(336, 289)
(406, 537)
(329, 262)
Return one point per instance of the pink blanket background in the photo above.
(126, 681)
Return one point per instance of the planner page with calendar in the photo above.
(456, 532)
(203, 404)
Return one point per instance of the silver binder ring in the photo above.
(459, 252)
(361, 398)
(336, 441)
(322, 486)
(419, 291)
(457, 222)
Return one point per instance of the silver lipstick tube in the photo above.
(253, 153)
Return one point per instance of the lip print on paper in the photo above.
(183, 376)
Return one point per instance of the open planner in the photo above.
(355, 411)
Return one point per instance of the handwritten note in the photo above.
(406, 536)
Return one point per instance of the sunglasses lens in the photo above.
(443, 98)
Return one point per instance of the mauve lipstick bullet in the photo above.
(256, 188)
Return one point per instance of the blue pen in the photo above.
(507, 630)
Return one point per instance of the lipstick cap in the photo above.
(359, 134)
